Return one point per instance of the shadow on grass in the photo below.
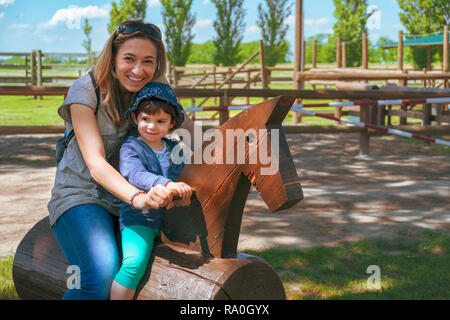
(412, 266)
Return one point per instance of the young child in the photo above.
(145, 162)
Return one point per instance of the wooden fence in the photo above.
(369, 114)
(33, 68)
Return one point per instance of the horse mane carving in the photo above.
(211, 224)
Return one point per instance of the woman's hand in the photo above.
(183, 190)
(158, 197)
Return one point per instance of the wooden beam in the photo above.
(305, 76)
(31, 129)
(389, 93)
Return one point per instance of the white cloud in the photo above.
(290, 20)
(316, 22)
(153, 3)
(252, 30)
(73, 15)
(6, 2)
(203, 23)
(205, 2)
(2, 14)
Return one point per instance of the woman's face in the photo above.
(135, 64)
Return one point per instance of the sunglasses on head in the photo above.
(148, 28)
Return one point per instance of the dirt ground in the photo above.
(400, 186)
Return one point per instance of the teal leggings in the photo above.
(137, 246)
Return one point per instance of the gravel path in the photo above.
(401, 186)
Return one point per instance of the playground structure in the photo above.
(198, 257)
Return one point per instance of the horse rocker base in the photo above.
(40, 271)
(198, 256)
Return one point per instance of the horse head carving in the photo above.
(249, 149)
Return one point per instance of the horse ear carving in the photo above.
(211, 225)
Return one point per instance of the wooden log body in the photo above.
(40, 272)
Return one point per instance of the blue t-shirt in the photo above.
(165, 158)
(140, 165)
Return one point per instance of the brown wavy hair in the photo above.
(107, 80)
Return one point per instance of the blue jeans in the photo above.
(87, 236)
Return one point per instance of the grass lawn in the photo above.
(7, 290)
(412, 266)
(26, 111)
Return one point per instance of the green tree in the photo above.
(126, 10)
(326, 48)
(377, 54)
(179, 23)
(229, 26)
(423, 17)
(202, 53)
(87, 43)
(351, 23)
(273, 30)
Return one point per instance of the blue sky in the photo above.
(54, 25)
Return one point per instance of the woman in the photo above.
(88, 188)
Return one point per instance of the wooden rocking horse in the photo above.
(197, 258)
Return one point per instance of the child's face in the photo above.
(153, 127)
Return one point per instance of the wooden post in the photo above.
(389, 117)
(344, 55)
(429, 63)
(169, 73)
(426, 109)
(247, 84)
(365, 51)
(230, 72)
(400, 51)
(214, 81)
(338, 52)
(368, 114)
(304, 54)
(298, 66)
(263, 67)
(445, 55)
(225, 114)
(175, 79)
(424, 82)
(381, 113)
(33, 68)
(26, 69)
(314, 54)
(39, 68)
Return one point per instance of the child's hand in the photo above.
(184, 192)
(157, 197)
